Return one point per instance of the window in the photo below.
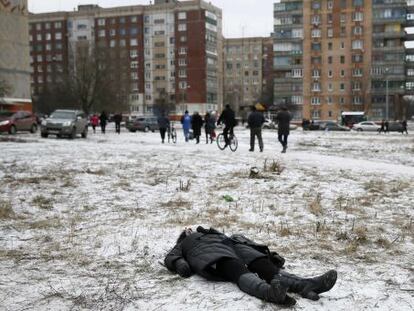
(329, 5)
(357, 45)
(316, 19)
(330, 87)
(357, 100)
(297, 73)
(122, 42)
(47, 25)
(357, 58)
(315, 101)
(182, 73)
(342, 45)
(316, 73)
(101, 22)
(48, 47)
(316, 87)
(182, 15)
(329, 100)
(182, 51)
(58, 36)
(58, 25)
(133, 42)
(342, 59)
(357, 72)
(316, 5)
(357, 2)
(316, 33)
(122, 20)
(134, 75)
(133, 19)
(343, 18)
(356, 86)
(112, 43)
(101, 33)
(330, 46)
(39, 37)
(39, 58)
(342, 73)
(358, 16)
(342, 86)
(182, 62)
(342, 100)
(316, 114)
(182, 27)
(38, 27)
(330, 32)
(316, 46)
(182, 85)
(357, 30)
(183, 38)
(329, 59)
(112, 32)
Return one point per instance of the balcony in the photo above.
(409, 23)
(391, 20)
(409, 37)
(389, 35)
(396, 49)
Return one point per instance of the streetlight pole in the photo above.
(387, 109)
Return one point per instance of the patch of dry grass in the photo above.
(315, 207)
(6, 210)
(43, 202)
(273, 167)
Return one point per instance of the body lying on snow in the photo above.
(253, 267)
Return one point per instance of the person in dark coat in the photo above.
(283, 119)
(163, 125)
(382, 129)
(196, 125)
(118, 120)
(209, 125)
(404, 127)
(103, 119)
(253, 267)
(255, 122)
(228, 117)
(387, 126)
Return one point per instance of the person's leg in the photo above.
(234, 270)
(260, 139)
(226, 135)
(186, 132)
(264, 268)
(162, 132)
(252, 138)
(279, 137)
(206, 136)
(285, 140)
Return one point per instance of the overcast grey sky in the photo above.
(240, 17)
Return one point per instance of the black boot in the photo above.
(251, 284)
(308, 288)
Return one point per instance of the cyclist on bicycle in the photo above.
(228, 117)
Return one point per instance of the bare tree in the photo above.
(163, 105)
(98, 80)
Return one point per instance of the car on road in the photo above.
(143, 123)
(368, 126)
(12, 122)
(395, 126)
(65, 123)
(327, 126)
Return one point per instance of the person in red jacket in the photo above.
(94, 122)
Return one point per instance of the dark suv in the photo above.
(65, 123)
(145, 123)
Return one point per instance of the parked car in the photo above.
(332, 126)
(65, 123)
(143, 123)
(395, 126)
(12, 122)
(366, 126)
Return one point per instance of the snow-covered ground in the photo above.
(84, 224)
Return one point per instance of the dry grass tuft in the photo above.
(315, 206)
(273, 167)
(176, 204)
(99, 172)
(6, 210)
(43, 202)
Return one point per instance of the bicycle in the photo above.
(172, 133)
(221, 142)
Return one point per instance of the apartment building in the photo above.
(14, 55)
(172, 48)
(246, 71)
(341, 55)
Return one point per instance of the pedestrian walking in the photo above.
(163, 125)
(103, 119)
(283, 119)
(196, 125)
(94, 122)
(118, 120)
(209, 125)
(253, 267)
(382, 128)
(404, 127)
(186, 122)
(387, 126)
(255, 122)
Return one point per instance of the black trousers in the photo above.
(103, 126)
(118, 127)
(231, 269)
(163, 130)
(227, 130)
(283, 139)
(256, 131)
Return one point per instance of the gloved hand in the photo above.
(277, 260)
(182, 267)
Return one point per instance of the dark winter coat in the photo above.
(118, 118)
(163, 122)
(256, 119)
(203, 249)
(210, 123)
(196, 124)
(103, 118)
(283, 119)
(228, 117)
